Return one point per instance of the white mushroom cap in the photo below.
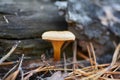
(58, 35)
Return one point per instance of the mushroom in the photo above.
(58, 38)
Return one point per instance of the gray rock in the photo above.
(26, 20)
(96, 21)
(21, 20)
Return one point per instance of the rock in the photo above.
(96, 21)
(26, 20)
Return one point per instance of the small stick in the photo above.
(20, 64)
(74, 54)
(64, 46)
(9, 53)
(39, 69)
(43, 58)
(112, 73)
(82, 55)
(114, 43)
(85, 57)
(6, 20)
(22, 74)
(115, 70)
(15, 72)
(90, 56)
(20, 68)
(65, 66)
(116, 55)
(9, 71)
(8, 63)
(94, 57)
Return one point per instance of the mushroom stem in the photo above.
(57, 49)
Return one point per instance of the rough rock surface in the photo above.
(96, 21)
(26, 20)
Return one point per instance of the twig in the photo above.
(64, 46)
(20, 68)
(94, 57)
(95, 76)
(114, 43)
(8, 63)
(116, 55)
(117, 67)
(9, 53)
(86, 58)
(62, 69)
(80, 71)
(39, 69)
(82, 55)
(22, 73)
(43, 74)
(10, 71)
(112, 73)
(90, 55)
(65, 66)
(21, 60)
(14, 74)
(6, 20)
(74, 54)
(43, 58)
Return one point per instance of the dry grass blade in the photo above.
(87, 74)
(96, 75)
(90, 56)
(93, 72)
(33, 71)
(79, 71)
(116, 55)
(112, 73)
(103, 78)
(39, 69)
(11, 70)
(89, 67)
(94, 57)
(82, 55)
(13, 75)
(8, 63)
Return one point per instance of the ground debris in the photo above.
(66, 69)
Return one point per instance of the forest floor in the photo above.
(66, 69)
